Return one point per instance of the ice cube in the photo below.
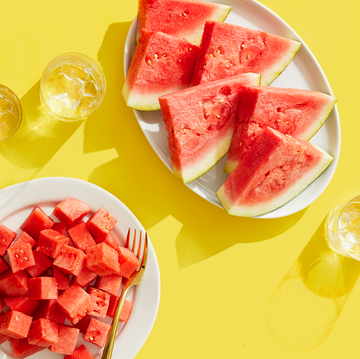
(90, 88)
(75, 92)
(60, 104)
(6, 105)
(57, 83)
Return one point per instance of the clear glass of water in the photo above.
(72, 86)
(10, 113)
(343, 228)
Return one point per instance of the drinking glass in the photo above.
(72, 86)
(10, 113)
(343, 228)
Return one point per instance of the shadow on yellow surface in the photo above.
(38, 138)
(306, 305)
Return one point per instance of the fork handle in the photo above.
(109, 346)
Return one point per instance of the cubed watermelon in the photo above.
(14, 284)
(85, 277)
(128, 261)
(110, 240)
(21, 257)
(81, 236)
(3, 338)
(42, 263)
(100, 300)
(41, 288)
(43, 332)
(71, 211)
(59, 227)
(6, 237)
(75, 303)
(49, 309)
(22, 349)
(15, 324)
(70, 260)
(101, 223)
(36, 222)
(126, 309)
(63, 281)
(3, 265)
(83, 324)
(2, 302)
(22, 304)
(110, 283)
(97, 332)
(24, 238)
(103, 260)
(50, 242)
(80, 353)
(67, 340)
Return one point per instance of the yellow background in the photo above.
(230, 287)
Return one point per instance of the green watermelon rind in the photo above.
(292, 192)
(273, 72)
(312, 130)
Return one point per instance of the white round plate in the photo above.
(303, 72)
(17, 202)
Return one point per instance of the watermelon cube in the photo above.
(49, 309)
(42, 263)
(14, 284)
(97, 332)
(43, 332)
(15, 324)
(50, 242)
(80, 353)
(22, 304)
(126, 309)
(110, 283)
(24, 238)
(41, 288)
(59, 227)
(3, 265)
(21, 257)
(71, 211)
(62, 280)
(101, 223)
(110, 240)
(100, 301)
(128, 261)
(67, 340)
(3, 338)
(103, 260)
(2, 302)
(83, 324)
(36, 222)
(6, 237)
(70, 260)
(85, 277)
(81, 236)
(22, 349)
(75, 303)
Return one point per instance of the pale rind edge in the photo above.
(292, 192)
(141, 102)
(273, 72)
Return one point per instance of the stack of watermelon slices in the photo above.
(220, 111)
(58, 280)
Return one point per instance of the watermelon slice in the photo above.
(299, 113)
(161, 64)
(274, 170)
(200, 123)
(228, 50)
(180, 18)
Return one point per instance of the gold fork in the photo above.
(127, 283)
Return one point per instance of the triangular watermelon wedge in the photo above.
(179, 18)
(200, 122)
(275, 170)
(228, 50)
(161, 64)
(299, 113)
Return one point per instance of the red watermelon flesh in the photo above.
(36, 222)
(49, 309)
(22, 304)
(70, 260)
(274, 170)
(126, 309)
(3, 338)
(59, 227)
(83, 324)
(85, 277)
(21, 257)
(110, 240)
(299, 113)
(179, 18)
(22, 349)
(200, 123)
(42, 263)
(97, 332)
(43, 332)
(128, 261)
(161, 64)
(14, 284)
(6, 237)
(81, 236)
(100, 301)
(67, 340)
(80, 353)
(103, 260)
(110, 284)
(24, 238)
(228, 50)
(101, 223)
(15, 324)
(3, 265)
(63, 281)
(50, 242)
(42, 288)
